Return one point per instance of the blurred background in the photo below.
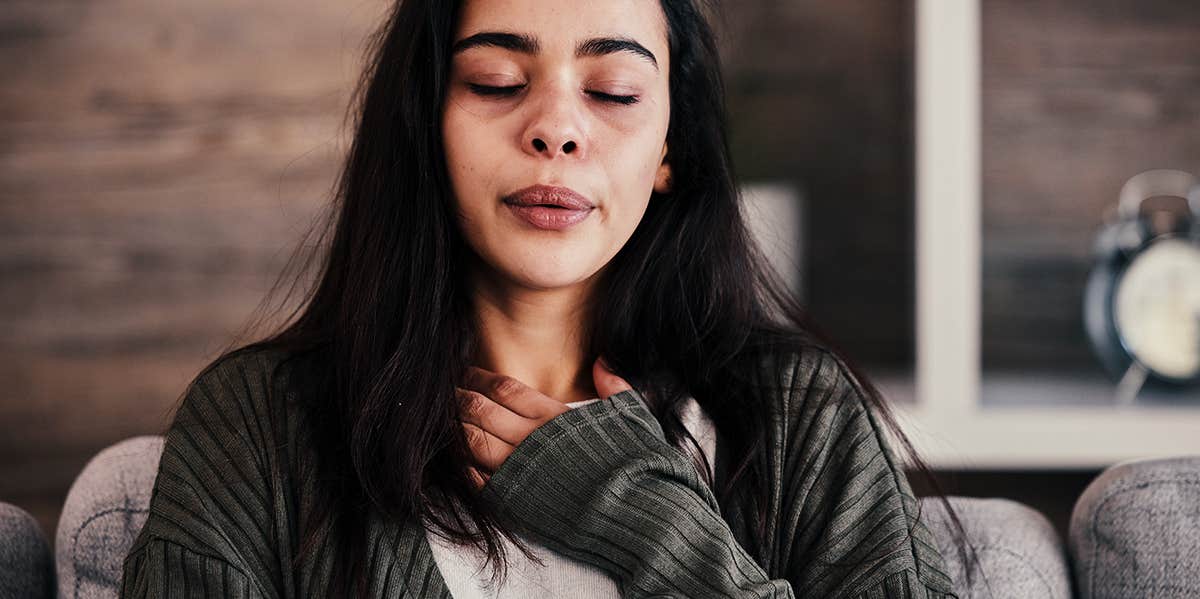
(160, 161)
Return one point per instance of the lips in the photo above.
(548, 207)
(547, 195)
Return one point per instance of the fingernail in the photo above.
(605, 365)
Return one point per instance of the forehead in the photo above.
(559, 24)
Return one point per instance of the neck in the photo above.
(536, 336)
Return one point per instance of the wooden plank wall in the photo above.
(1078, 96)
(158, 161)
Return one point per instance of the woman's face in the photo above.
(584, 105)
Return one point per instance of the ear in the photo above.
(662, 179)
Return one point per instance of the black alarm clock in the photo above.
(1142, 299)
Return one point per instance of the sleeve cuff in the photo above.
(632, 428)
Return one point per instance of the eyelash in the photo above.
(488, 90)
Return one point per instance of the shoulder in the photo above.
(241, 378)
(822, 417)
(813, 387)
(243, 370)
(227, 410)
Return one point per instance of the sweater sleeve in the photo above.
(599, 483)
(847, 522)
(210, 530)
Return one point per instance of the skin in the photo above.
(562, 126)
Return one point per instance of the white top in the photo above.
(462, 566)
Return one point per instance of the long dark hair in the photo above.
(690, 307)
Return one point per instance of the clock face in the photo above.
(1156, 308)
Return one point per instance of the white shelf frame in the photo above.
(948, 423)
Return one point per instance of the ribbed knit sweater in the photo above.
(598, 484)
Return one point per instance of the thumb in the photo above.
(607, 382)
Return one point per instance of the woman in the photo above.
(534, 186)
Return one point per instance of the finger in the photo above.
(494, 418)
(489, 450)
(607, 382)
(509, 392)
(478, 477)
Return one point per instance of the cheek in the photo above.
(631, 163)
(633, 172)
(632, 185)
(466, 164)
(456, 139)
(639, 143)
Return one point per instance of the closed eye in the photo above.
(617, 99)
(490, 90)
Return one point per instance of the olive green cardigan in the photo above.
(597, 483)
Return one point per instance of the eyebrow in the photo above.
(525, 44)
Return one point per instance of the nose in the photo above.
(540, 146)
(554, 127)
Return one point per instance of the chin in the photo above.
(541, 277)
(545, 272)
(537, 264)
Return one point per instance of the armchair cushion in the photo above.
(26, 568)
(1135, 531)
(104, 510)
(1019, 552)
